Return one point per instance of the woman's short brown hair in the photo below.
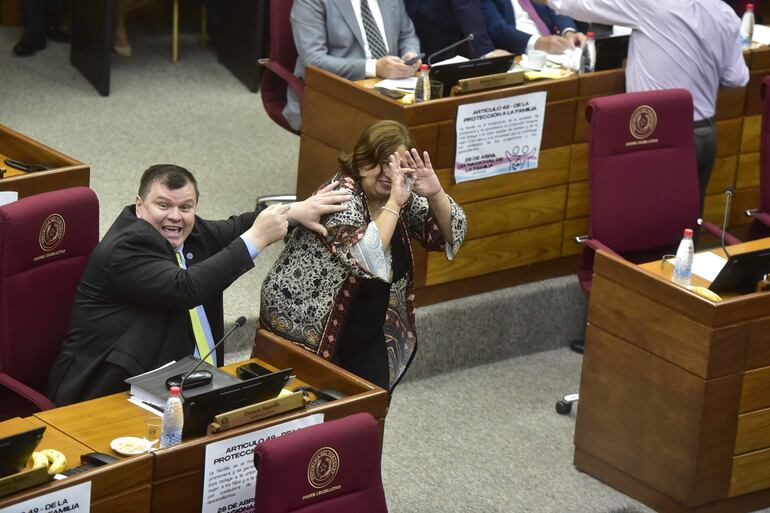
(374, 145)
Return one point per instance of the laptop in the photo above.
(742, 272)
(611, 52)
(450, 74)
(199, 410)
(15, 450)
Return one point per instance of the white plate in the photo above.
(130, 445)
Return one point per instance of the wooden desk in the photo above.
(521, 226)
(674, 402)
(68, 172)
(123, 487)
(95, 423)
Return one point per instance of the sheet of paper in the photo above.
(456, 58)
(707, 265)
(761, 34)
(398, 84)
(620, 30)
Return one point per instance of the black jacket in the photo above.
(132, 306)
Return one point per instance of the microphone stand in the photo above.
(469, 37)
(238, 323)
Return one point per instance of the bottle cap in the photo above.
(687, 232)
(176, 390)
(749, 7)
(590, 35)
(424, 67)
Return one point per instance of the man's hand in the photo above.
(497, 52)
(576, 38)
(326, 201)
(391, 66)
(409, 55)
(553, 44)
(269, 226)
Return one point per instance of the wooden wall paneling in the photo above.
(333, 121)
(758, 351)
(496, 253)
(552, 171)
(729, 137)
(577, 200)
(743, 199)
(714, 208)
(752, 126)
(758, 58)
(578, 169)
(670, 335)
(756, 390)
(753, 431)
(317, 162)
(558, 124)
(445, 151)
(602, 83)
(622, 388)
(730, 103)
(427, 138)
(748, 171)
(509, 213)
(573, 228)
(751, 472)
(753, 99)
(722, 175)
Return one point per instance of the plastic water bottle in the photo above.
(747, 26)
(683, 262)
(173, 420)
(588, 56)
(422, 89)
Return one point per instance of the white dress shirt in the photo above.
(374, 6)
(525, 24)
(688, 44)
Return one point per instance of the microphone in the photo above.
(469, 37)
(240, 321)
(728, 197)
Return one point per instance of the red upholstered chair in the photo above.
(761, 228)
(642, 179)
(280, 65)
(45, 243)
(332, 467)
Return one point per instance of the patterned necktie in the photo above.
(539, 23)
(373, 36)
(204, 341)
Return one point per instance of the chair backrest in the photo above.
(332, 467)
(282, 58)
(764, 149)
(45, 243)
(643, 178)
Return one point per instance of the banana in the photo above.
(57, 461)
(39, 460)
(705, 293)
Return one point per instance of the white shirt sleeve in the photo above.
(608, 12)
(370, 254)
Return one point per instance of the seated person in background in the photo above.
(354, 39)
(40, 24)
(439, 23)
(158, 271)
(520, 26)
(349, 296)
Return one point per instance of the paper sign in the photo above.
(75, 499)
(229, 475)
(498, 136)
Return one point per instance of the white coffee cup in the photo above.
(536, 59)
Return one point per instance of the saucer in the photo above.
(131, 445)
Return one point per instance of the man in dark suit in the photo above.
(157, 264)
(439, 23)
(40, 24)
(520, 26)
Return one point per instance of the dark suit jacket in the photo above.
(439, 23)
(501, 24)
(132, 306)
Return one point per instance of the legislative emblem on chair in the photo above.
(329, 467)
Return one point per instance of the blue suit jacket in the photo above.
(501, 24)
(439, 23)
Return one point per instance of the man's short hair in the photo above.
(172, 176)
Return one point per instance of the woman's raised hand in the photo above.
(426, 183)
(399, 192)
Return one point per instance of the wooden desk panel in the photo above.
(122, 487)
(68, 172)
